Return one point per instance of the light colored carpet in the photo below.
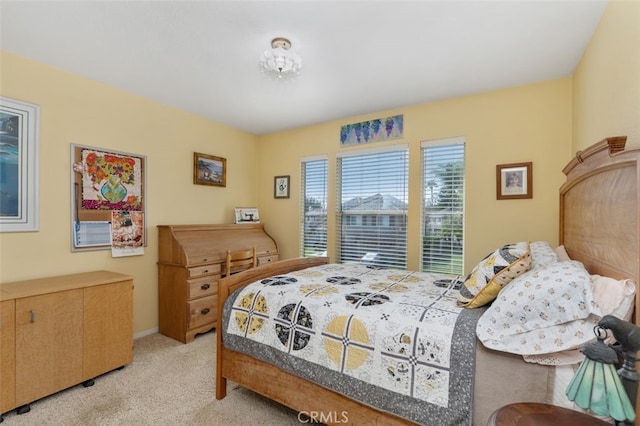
(168, 383)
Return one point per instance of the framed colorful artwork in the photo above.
(19, 139)
(103, 181)
(514, 181)
(209, 170)
(281, 187)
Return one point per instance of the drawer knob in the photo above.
(205, 286)
(206, 270)
(205, 311)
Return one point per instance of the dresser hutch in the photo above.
(191, 260)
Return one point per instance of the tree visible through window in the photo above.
(443, 208)
(314, 208)
(372, 208)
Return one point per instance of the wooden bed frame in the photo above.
(599, 226)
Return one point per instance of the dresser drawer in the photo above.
(200, 259)
(202, 311)
(199, 271)
(205, 286)
(263, 260)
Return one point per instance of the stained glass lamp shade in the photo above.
(596, 385)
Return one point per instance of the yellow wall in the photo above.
(80, 111)
(530, 123)
(607, 80)
(537, 123)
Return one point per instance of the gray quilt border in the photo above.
(463, 352)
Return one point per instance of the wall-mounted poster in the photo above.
(19, 138)
(127, 233)
(378, 130)
(103, 181)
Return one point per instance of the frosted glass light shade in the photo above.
(280, 61)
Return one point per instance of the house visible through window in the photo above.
(443, 206)
(372, 190)
(314, 207)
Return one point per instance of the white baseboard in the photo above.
(145, 333)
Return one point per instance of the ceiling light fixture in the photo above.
(280, 61)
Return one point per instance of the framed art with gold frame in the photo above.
(209, 170)
(514, 181)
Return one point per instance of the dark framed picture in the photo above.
(209, 170)
(514, 181)
(281, 187)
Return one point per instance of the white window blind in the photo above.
(372, 207)
(314, 208)
(443, 206)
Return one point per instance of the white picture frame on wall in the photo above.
(19, 143)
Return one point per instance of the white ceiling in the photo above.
(359, 57)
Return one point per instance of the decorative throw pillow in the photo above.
(494, 272)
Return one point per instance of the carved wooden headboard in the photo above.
(599, 222)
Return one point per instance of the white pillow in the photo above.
(544, 310)
(562, 253)
(613, 297)
(542, 253)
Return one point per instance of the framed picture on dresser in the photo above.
(246, 215)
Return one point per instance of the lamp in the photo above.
(280, 61)
(597, 386)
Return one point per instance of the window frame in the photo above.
(455, 264)
(305, 245)
(376, 239)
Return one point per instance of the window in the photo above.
(372, 190)
(314, 208)
(443, 206)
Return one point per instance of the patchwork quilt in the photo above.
(393, 339)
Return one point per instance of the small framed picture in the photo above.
(209, 170)
(514, 181)
(246, 215)
(281, 187)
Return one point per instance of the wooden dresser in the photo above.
(59, 331)
(190, 263)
